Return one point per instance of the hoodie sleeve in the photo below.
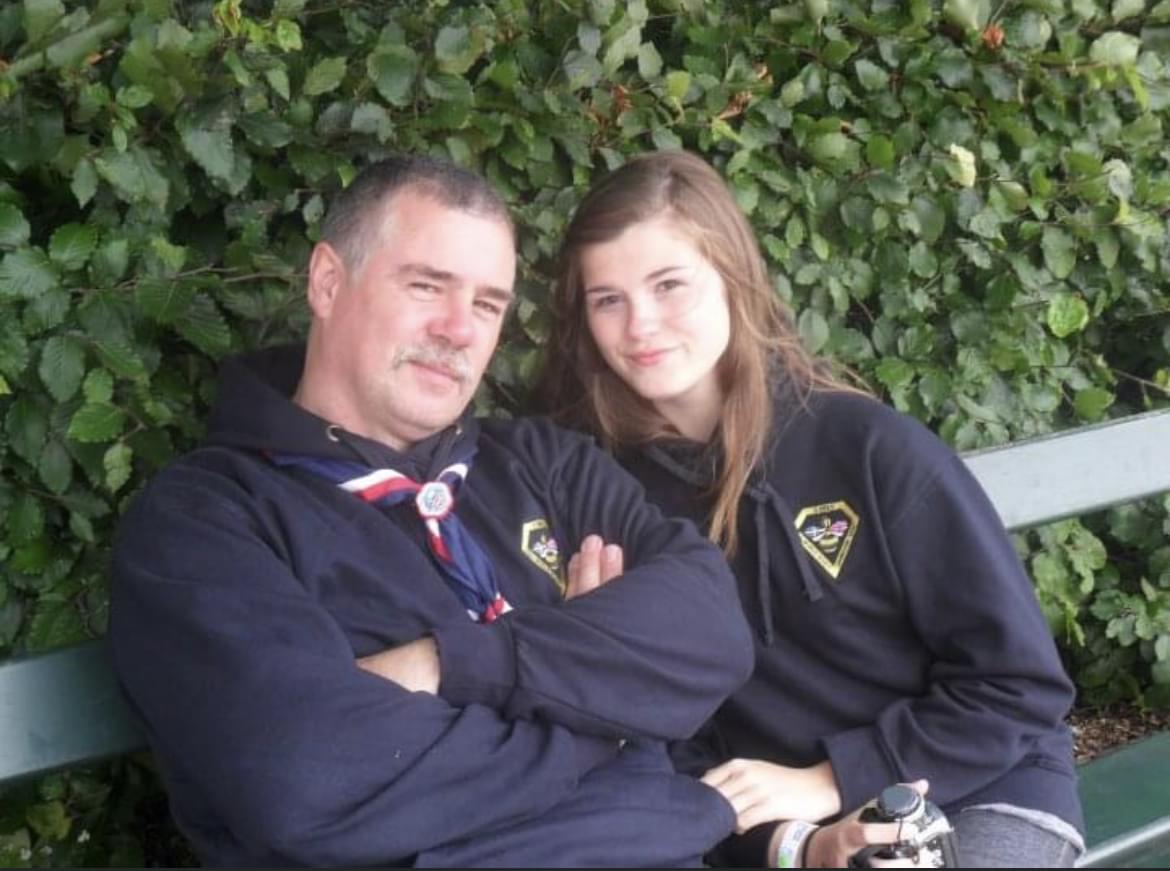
(995, 684)
(652, 653)
(253, 701)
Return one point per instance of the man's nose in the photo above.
(454, 321)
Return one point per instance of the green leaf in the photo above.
(117, 463)
(1115, 48)
(111, 261)
(26, 273)
(967, 14)
(625, 40)
(62, 366)
(203, 325)
(98, 386)
(1108, 247)
(14, 229)
(212, 149)
(879, 151)
(265, 129)
(27, 427)
(894, 372)
(582, 70)
(1092, 402)
(792, 93)
(589, 37)
(72, 245)
(40, 17)
(120, 359)
(1060, 252)
(814, 329)
(54, 624)
(1067, 314)
(392, 69)
(456, 49)
(55, 467)
(932, 218)
(649, 61)
(134, 97)
(871, 76)
(325, 76)
(26, 520)
(1123, 9)
(278, 80)
(164, 301)
(133, 175)
(678, 82)
(373, 119)
(923, 263)
(288, 36)
(96, 422)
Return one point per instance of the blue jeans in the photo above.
(994, 839)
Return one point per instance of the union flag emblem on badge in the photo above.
(826, 533)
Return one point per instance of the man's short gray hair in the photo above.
(355, 214)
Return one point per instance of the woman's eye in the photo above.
(668, 285)
(605, 300)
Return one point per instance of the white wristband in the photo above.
(792, 842)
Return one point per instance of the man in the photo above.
(342, 618)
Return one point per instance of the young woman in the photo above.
(898, 636)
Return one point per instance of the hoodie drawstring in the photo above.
(763, 495)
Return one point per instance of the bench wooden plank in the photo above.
(1126, 796)
(1069, 473)
(62, 708)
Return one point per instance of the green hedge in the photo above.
(967, 202)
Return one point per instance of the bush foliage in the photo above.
(964, 201)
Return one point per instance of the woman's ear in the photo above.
(327, 277)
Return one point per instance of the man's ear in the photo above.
(327, 276)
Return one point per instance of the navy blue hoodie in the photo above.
(897, 634)
(243, 593)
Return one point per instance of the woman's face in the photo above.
(657, 310)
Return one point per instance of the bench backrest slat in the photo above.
(62, 708)
(1067, 474)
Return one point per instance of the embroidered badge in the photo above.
(826, 532)
(539, 546)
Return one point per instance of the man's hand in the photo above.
(763, 792)
(596, 563)
(413, 666)
(831, 846)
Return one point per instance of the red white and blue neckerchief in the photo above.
(468, 569)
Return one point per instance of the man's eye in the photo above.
(489, 307)
(423, 288)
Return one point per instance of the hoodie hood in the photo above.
(254, 410)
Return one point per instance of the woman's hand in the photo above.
(596, 563)
(832, 846)
(763, 792)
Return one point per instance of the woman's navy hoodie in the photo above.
(897, 634)
(243, 592)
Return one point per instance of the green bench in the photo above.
(63, 708)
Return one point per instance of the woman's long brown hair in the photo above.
(578, 389)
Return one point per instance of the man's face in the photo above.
(406, 337)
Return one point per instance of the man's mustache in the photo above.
(450, 360)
